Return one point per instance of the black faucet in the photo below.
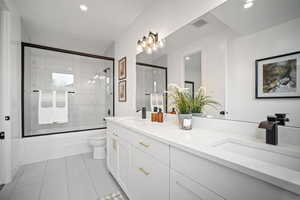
(271, 126)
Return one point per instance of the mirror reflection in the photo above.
(248, 64)
(151, 78)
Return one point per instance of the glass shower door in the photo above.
(65, 92)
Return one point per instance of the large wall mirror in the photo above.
(151, 79)
(245, 55)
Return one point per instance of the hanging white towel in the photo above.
(157, 100)
(45, 107)
(61, 111)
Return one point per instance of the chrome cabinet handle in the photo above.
(144, 145)
(144, 171)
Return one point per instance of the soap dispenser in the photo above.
(144, 113)
(154, 115)
(160, 116)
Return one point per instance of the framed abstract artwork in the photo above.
(278, 76)
(122, 68)
(122, 91)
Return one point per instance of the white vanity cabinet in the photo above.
(124, 163)
(150, 178)
(225, 182)
(138, 163)
(112, 152)
(148, 169)
(185, 188)
(118, 156)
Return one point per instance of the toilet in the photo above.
(97, 142)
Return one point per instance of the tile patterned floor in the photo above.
(72, 178)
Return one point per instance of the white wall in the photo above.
(193, 69)
(11, 88)
(163, 17)
(110, 51)
(15, 88)
(244, 51)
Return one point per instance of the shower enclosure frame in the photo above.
(25, 44)
(166, 76)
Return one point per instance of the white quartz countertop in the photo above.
(202, 142)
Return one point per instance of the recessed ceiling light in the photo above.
(83, 7)
(187, 58)
(248, 4)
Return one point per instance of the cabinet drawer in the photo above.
(150, 178)
(158, 150)
(185, 188)
(119, 132)
(215, 177)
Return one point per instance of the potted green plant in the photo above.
(200, 101)
(181, 100)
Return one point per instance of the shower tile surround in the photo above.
(87, 107)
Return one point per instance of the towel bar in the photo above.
(70, 92)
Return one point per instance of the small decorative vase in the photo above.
(185, 121)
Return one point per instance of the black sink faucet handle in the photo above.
(281, 118)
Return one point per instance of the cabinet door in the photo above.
(149, 177)
(124, 164)
(184, 188)
(112, 154)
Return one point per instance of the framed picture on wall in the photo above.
(122, 91)
(122, 68)
(278, 76)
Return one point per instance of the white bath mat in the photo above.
(113, 196)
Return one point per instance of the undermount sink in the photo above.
(265, 153)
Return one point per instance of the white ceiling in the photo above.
(59, 22)
(189, 33)
(263, 14)
(234, 17)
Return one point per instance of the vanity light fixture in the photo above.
(150, 43)
(248, 4)
(83, 7)
(187, 58)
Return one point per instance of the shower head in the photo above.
(106, 70)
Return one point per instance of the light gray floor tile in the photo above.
(31, 174)
(55, 184)
(6, 192)
(73, 178)
(102, 180)
(80, 184)
(28, 192)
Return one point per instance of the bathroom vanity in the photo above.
(161, 162)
